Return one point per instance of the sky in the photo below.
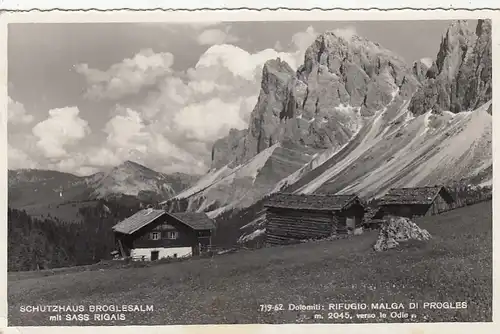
(87, 96)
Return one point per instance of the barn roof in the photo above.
(137, 221)
(417, 195)
(195, 220)
(310, 202)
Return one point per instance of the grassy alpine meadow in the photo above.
(455, 266)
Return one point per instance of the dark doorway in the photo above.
(154, 255)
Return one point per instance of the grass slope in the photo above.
(455, 266)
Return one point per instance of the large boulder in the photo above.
(396, 230)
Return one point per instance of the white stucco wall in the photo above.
(138, 253)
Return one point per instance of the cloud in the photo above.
(346, 33)
(17, 113)
(179, 121)
(102, 157)
(75, 163)
(241, 63)
(63, 127)
(175, 125)
(210, 120)
(303, 39)
(18, 159)
(427, 61)
(278, 46)
(130, 137)
(127, 77)
(126, 129)
(216, 36)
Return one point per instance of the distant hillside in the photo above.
(43, 192)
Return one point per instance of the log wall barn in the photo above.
(415, 202)
(291, 218)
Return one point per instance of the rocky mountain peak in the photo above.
(129, 178)
(276, 74)
(341, 124)
(276, 66)
(483, 28)
(455, 43)
(227, 150)
(344, 77)
(132, 166)
(461, 77)
(423, 69)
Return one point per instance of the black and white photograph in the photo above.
(250, 172)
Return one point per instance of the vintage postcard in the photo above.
(245, 167)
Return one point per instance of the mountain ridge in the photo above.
(36, 189)
(354, 110)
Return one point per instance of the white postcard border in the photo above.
(246, 15)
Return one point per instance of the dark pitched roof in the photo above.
(418, 195)
(195, 220)
(137, 221)
(310, 202)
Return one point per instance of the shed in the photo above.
(415, 202)
(154, 234)
(291, 218)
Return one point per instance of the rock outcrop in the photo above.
(421, 67)
(473, 84)
(396, 230)
(275, 103)
(352, 71)
(322, 105)
(460, 78)
(227, 150)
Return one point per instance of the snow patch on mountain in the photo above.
(251, 236)
(245, 174)
(207, 180)
(427, 61)
(431, 152)
(375, 132)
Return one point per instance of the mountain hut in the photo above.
(154, 234)
(291, 218)
(415, 202)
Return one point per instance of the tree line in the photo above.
(46, 243)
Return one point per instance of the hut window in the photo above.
(155, 236)
(172, 235)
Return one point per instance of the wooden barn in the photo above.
(290, 218)
(415, 202)
(154, 234)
